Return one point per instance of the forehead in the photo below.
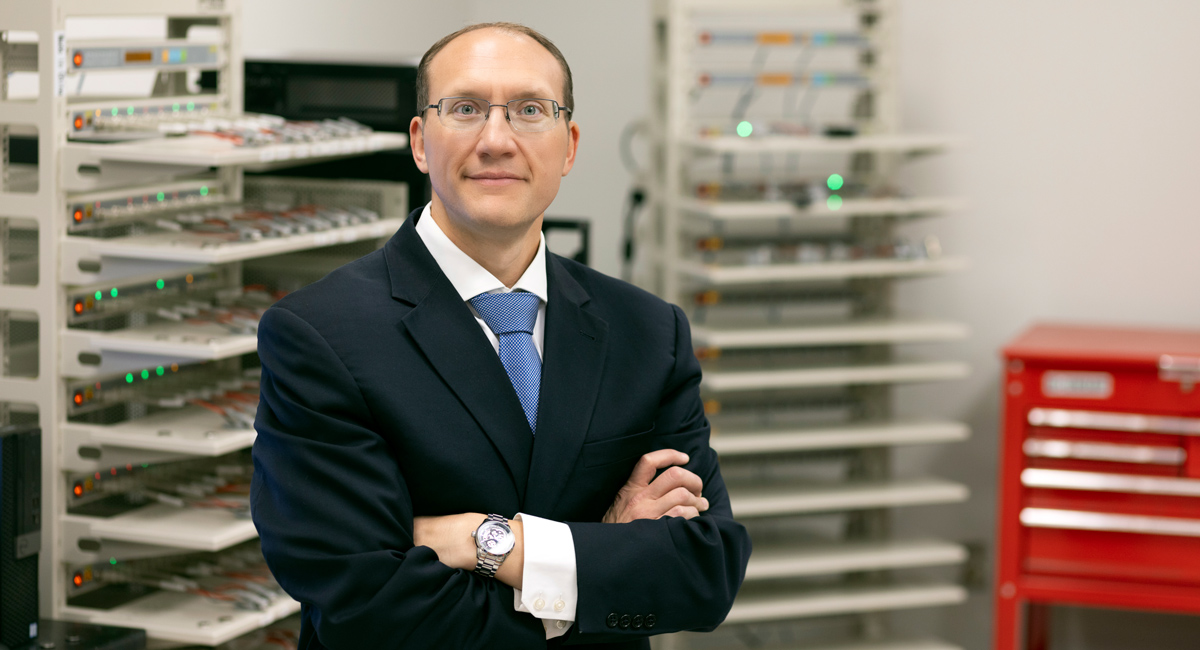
(495, 64)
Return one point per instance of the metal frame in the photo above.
(64, 262)
(869, 492)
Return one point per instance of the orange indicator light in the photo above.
(78, 216)
(79, 307)
(78, 398)
(78, 123)
(78, 579)
(78, 59)
(78, 492)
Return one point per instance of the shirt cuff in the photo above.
(551, 589)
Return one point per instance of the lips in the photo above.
(495, 178)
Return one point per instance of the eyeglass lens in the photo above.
(529, 115)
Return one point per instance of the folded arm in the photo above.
(346, 550)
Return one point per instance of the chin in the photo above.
(501, 212)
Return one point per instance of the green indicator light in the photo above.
(183, 57)
(161, 196)
(834, 202)
(99, 295)
(835, 182)
(145, 465)
(129, 377)
(175, 107)
(129, 111)
(159, 371)
(115, 111)
(160, 284)
(191, 106)
(112, 560)
(744, 129)
(113, 293)
(204, 190)
(145, 374)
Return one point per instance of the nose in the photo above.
(497, 136)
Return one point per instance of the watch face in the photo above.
(495, 538)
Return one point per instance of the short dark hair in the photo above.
(568, 100)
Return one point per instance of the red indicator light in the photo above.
(113, 471)
(78, 398)
(129, 467)
(78, 492)
(78, 123)
(97, 476)
(79, 307)
(78, 579)
(78, 216)
(78, 59)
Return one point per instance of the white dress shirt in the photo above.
(549, 578)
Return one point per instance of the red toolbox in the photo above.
(1099, 475)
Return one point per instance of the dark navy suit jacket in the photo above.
(383, 400)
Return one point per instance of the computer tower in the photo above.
(20, 532)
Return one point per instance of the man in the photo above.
(459, 434)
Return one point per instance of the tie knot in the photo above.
(506, 313)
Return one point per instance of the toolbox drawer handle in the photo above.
(1104, 482)
(1133, 422)
(1104, 451)
(1104, 521)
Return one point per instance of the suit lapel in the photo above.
(573, 357)
(447, 333)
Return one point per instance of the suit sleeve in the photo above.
(335, 515)
(675, 574)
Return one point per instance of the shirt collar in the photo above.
(468, 277)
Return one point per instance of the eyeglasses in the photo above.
(525, 115)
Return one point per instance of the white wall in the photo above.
(1082, 170)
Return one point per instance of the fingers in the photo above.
(680, 497)
(687, 512)
(647, 465)
(675, 477)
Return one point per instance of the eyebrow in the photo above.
(522, 94)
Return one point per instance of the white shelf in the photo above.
(162, 343)
(207, 249)
(794, 561)
(195, 529)
(744, 380)
(185, 618)
(760, 210)
(841, 333)
(751, 607)
(191, 430)
(890, 143)
(740, 443)
(205, 151)
(769, 273)
(768, 501)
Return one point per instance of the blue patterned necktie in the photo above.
(511, 317)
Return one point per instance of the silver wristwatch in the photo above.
(494, 540)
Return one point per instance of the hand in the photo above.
(450, 537)
(675, 493)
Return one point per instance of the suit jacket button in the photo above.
(637, 622)
(611, 621)
(624, 622)
(651, 619)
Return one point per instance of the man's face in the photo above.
(495, 179)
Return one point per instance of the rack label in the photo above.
(60, 64)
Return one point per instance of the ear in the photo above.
(572, 145)
(416, 141)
